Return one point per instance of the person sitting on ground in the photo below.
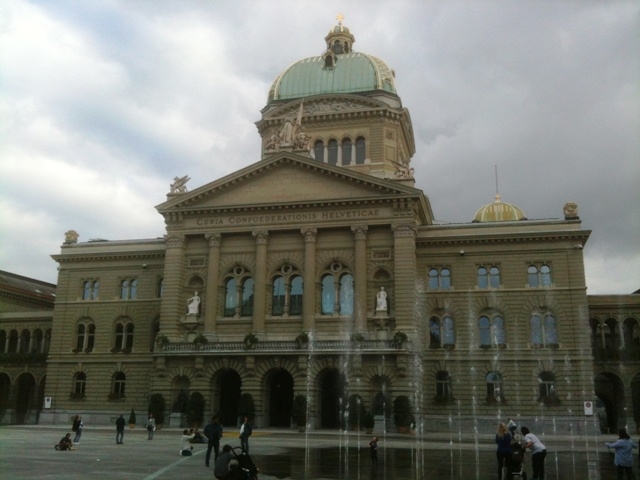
(222, 469)
(197, 436)
(65, 443)
(186, 440)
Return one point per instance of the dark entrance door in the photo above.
(333, 396)
(280, 399)
(230, 384)
(24, 397)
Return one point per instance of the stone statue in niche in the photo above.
(193, 305)
(381, 300)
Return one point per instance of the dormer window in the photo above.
(329, 59)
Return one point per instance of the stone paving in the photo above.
(26, 452)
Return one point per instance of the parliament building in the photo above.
(319, 270)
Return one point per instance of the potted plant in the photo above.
(368, 422)
(299, 412)
(162, 341)
(132, 418)
(302, 340)
(402, 413)
(399, 338)
(195, 409)
(200, 341)
(157, 407)
(249, 341)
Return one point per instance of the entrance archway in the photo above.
(280, 398)
(333, 398)
(5, 390)
(610, 390)
(26, 385)
(229, 388)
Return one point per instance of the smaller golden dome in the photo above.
(498, 211)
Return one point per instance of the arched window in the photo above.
(3, 341)
(124, 289)
(346, 294)
(133, 289)
(47, 341)
(90, 289)
(448, 332)
(631, 334)
(25, 340)
(550, 337)
(492, 331)
(494, 387)
(333, 152)
(489, 278)
(346, 151)
(38, 342)
(80, 336)
(547, 386)
(91, 337)
(328, 295)
(13, 342)
(119, 343)
(230, 298)
(123, 337)
(247, 297)
(360, 151)
(128, 341)
(439, 279)
(155, 330)
(318, 150)
(239, 290)
(535, 326)
(337, 290)
(443, 387)
(287, 292)
(435, 336)
(537, 277)
(160, 288)
(119, 384)
(79, 384)
(128, 289)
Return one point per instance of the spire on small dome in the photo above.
(339, 40)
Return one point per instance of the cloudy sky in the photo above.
(104, 102)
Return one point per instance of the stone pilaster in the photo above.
(404, 257)
(360, 287)
(309, 280)
(213, 275)
(172, 307)
(260, 288)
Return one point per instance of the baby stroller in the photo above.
(515, 467)
(246, 469)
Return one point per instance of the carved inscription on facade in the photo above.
(288, 217)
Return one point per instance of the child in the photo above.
(373, 448)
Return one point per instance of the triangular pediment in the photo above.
(287, 179)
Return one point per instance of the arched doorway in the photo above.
(280, 390)
(26, 385)
(610, 391)
(5, 390)
(333, 398)
(229, 388)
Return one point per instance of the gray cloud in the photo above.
(105, 102)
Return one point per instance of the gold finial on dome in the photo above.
(340, 17)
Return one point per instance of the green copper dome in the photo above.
(337, 70)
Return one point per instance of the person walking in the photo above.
(151, 426)
(623, 458)
(373, 449)
(538, 453)
(120, 430)
(245, 433)
(77, 427)
(503, 439)
(213, 432)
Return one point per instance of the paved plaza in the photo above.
(26, 452)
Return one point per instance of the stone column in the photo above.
(360, 278)
(260, 285)
(309, 280)
(172, 306)
(405, 277)
(213, 275)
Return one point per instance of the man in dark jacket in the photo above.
(213, 432)
(120, 429)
